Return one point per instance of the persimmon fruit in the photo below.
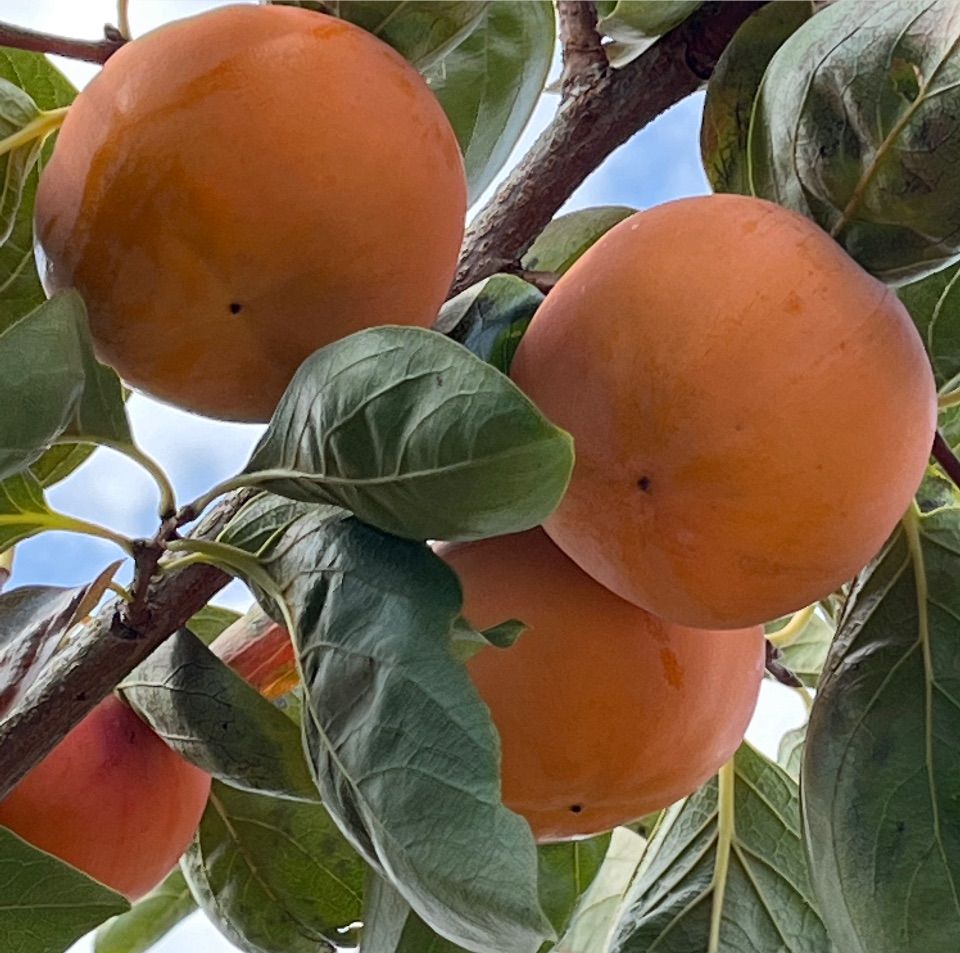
(752, 411)
(239, 188)
(605, 712)
(260, 651)
(111, 800)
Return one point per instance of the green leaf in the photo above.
(20, 290)
(490, 317)
(416, 436)
(732, 851)
(17, 110)
(422, 31)
(149, 920)
(45, 905)
(568, 236)
(23, 509)
(790, 753)
(404, 752)
(491, 83)
(807, 650)
(733, 87)
(934, 305)
(595, 916)
(566, 871)
(631, 21)
(216, 720)
(274, 876)
(881, 769)
(855, 127)
(41, 379)
(211, 621)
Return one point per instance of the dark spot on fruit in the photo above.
(235, 307)
(644, 484)
(576, 808)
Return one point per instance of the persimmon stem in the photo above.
(54, 521)
(91, 51)
(39, 128)
(726, 826)
(947, 459)
(950, 399)
(123, 19)
(796, 624)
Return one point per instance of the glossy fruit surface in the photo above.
(236, 189)
(112, 800)
(605, 712)
(260, 652)
(752, 411)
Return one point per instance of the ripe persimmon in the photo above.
(112, 800)
(752, 411)
(237, 189)
(605, 712)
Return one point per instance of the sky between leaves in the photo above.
(658, 164)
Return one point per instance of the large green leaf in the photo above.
(489, 318)
(490, 84)
(274, 876)
(23, 509)
(45, 906)
(17, 110)
(42, 373)
(733, 89)
(149, 920)
(405, 754)
(726, 871)
(566, 871)
(632, 21)
(881, 794)
(20, 290)
(568, 236)
(416, 436)
(934, 305)
(422, 31)
(213, 717)
(855, 126)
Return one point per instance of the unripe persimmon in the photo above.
(112, 800)
(752, 411)
(605, 712)
(237, 189)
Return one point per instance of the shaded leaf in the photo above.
(490, 317)
(631, 21)
(806, 652)
(273, 876)
(881, 770)
(568, 236)
(733, 88)
(404, 752)
(34, 622)
(216, 720)
(149, 920)
(416, 436)
(790, 753)
(596, 913)
(45, 905)
(490, 84)
(855, 126)
(934, 305)
(422, 31)
(17, 110)
(41, 379)
(745, 855)
(566, 871)
(23, 509)
(211, 621)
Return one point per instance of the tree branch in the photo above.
(946, 458)
(587, 128)
(92, 51)
(584, 58)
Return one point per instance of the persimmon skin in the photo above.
(112, 800)
(752, 411)
(261, 652)
(237, 189)
(605, 712)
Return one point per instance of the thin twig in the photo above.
(587, 128)
(777, 668)
(946, 458)
(92, 51)
(584, 58)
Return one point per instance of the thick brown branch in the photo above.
(107, 650)
(584, 58)
(587, 128)
(93, 51)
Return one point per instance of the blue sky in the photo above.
(660, 163)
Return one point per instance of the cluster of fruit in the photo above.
(752, 412)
